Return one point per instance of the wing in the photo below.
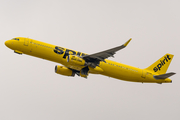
(101, 56)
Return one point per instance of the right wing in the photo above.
(101, 56)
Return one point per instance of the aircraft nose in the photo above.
(7, 43)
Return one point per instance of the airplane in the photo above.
(81, 64)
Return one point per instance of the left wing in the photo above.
(95, 58)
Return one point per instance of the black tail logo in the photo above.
(162, 63)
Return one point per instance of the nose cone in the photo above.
(7, 43)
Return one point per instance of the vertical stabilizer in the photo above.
(161, 66)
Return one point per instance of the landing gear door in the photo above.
(26, 41)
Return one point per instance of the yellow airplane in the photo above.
(82, 64)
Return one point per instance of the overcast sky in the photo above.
(31, 90)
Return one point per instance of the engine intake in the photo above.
(64, 71)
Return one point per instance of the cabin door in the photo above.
(143, 74)
(26, 41)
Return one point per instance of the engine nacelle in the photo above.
(76, 60)
(64, 71)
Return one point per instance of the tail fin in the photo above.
(161, 66)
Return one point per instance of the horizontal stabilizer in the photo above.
(164, 76)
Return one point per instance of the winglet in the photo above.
(125, 44)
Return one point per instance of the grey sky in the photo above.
(29, 88)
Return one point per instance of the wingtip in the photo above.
(127, 42)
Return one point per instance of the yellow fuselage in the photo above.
(108, 68)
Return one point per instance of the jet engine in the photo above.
(64, 71)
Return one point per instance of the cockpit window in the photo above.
(15, 39)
